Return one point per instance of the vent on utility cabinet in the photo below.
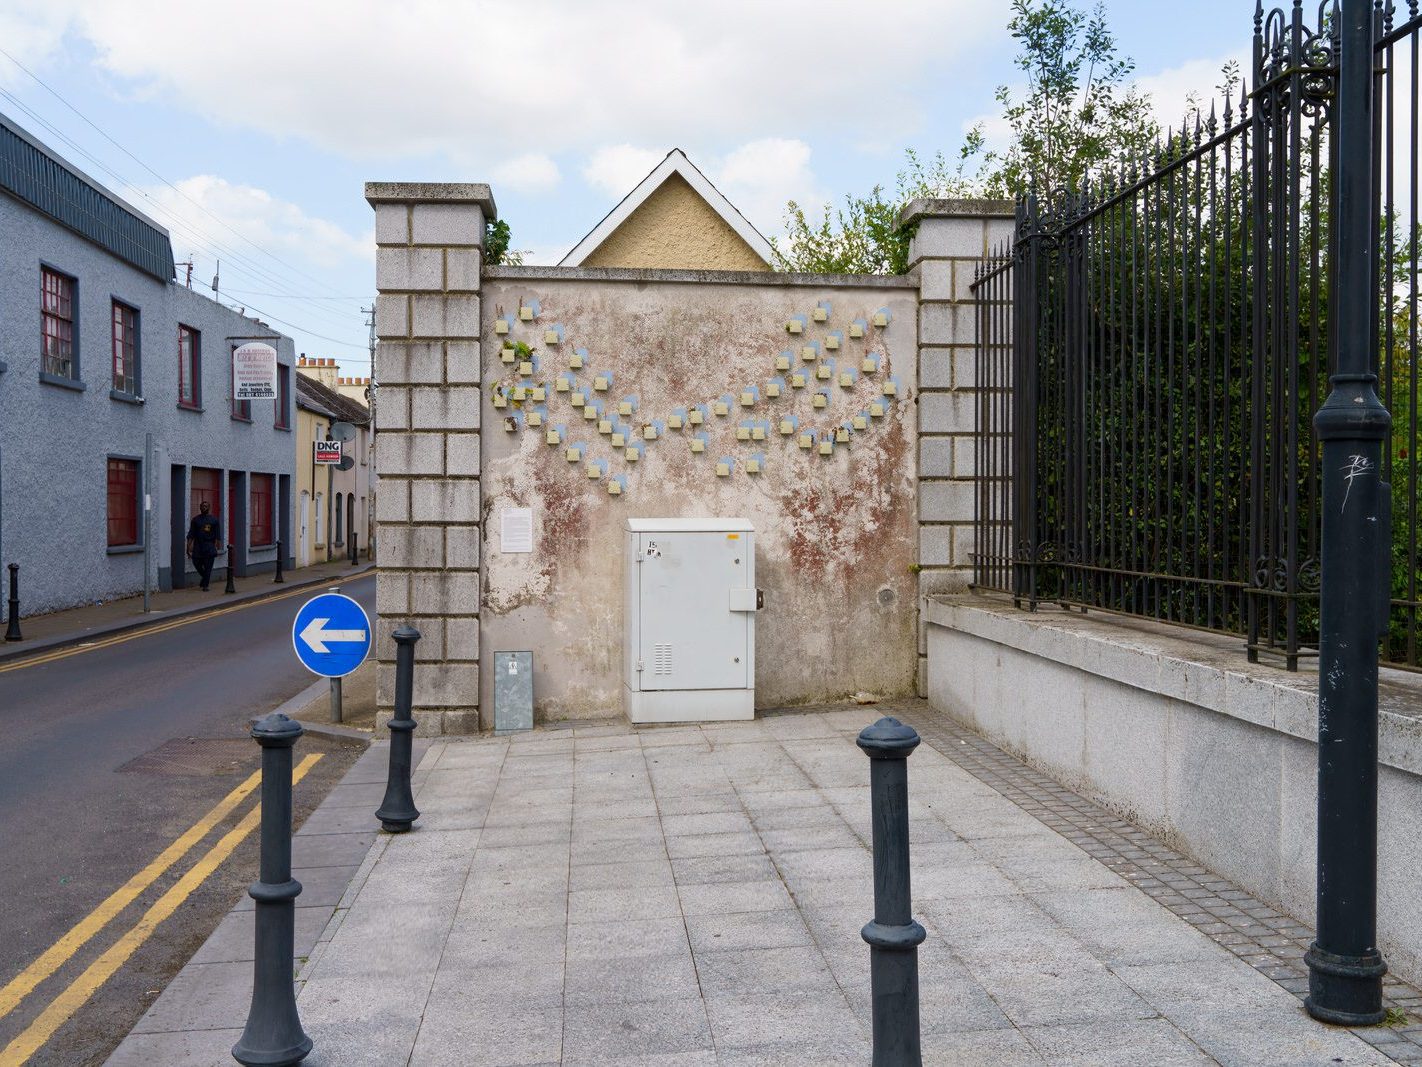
(661, 659)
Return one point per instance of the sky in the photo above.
(248, 130)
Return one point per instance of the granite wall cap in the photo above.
(702, 277)
(432, 193)
(1208, 670)
(917, 210)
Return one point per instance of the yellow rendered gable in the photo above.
(675, 228)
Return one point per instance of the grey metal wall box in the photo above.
(513, 691)
(689, 622)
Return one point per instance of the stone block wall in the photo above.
(951, 240)
(429, 250)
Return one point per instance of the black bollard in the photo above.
(893, 936)
(278, 580)
(231, 586)
(355, 552)
(397, 812)
(273, 1036)
(12, 629)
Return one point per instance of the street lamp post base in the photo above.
(1345, 990)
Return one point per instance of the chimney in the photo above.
(321, 368)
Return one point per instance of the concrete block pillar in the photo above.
(951, 239)
(429, 255)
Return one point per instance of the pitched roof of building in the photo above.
(33, 174)
(677, 163)
(313, 396)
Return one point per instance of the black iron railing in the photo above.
(1152, 349)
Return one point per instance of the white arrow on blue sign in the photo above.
(331, 635)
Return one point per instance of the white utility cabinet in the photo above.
(689, 625)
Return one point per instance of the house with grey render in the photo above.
(117, 417)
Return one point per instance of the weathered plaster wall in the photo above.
(836, 538)
(676, 229)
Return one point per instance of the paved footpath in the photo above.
(694, 895)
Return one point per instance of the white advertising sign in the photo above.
(254, 372)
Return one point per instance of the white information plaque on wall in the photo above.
(516, 530)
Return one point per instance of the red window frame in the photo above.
(260, 498)
(123, 502)
(57, 324)
(125, 348)
(189, 342)
(279, 419)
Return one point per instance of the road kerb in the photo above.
(26, 649)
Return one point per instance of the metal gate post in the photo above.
(1345, 966)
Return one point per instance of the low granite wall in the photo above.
(1179, 733)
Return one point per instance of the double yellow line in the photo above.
(72, 998)
(146, 631)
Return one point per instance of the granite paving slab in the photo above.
(694, 895)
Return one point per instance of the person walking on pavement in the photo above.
(204, 542)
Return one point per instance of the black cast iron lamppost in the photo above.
(1345, 967)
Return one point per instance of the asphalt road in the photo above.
(90, 795)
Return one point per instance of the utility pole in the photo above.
(1345, 967)
(370, 394)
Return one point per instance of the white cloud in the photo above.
(1171, 90)
(760, 176)
(616, 169)
(208, 205)
(530, 173)
(375, 81)
(31, 31)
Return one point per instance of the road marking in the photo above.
(148, 631)
(54, 957)
(76, 995)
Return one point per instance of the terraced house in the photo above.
(116, 393)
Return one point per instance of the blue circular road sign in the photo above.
(331, 635)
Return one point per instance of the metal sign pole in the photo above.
(336, 710)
